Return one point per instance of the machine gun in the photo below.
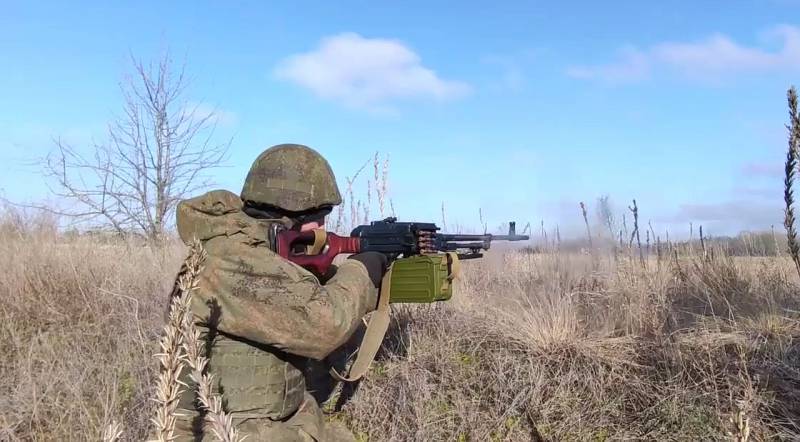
(424, 261)
(424, 264)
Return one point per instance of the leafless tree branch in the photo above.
(155, 155)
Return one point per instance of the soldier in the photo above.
(266, 318)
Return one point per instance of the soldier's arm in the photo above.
(334, 311)
(267, 299)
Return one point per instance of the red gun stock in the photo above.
(328, 244)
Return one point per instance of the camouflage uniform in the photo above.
(266, 320)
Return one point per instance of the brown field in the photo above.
(556, 346)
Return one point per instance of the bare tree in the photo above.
(156, 154)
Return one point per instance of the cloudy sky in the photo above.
(521, 110)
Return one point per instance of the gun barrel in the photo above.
(453, 246)
(463, 237)
(510, 237)
(486, 237)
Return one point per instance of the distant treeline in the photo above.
(764, 243)
(746, 243)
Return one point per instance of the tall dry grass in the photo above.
(563, 347)
(79, 322)
(534, 346)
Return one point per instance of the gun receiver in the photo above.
(390, 237)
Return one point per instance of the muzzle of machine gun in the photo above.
(447, 242)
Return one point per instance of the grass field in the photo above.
(547, 346)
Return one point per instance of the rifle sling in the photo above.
(379, 323)
(373, 337)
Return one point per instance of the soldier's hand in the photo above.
(376, 263)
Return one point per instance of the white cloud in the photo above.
(633, 65)
(713, 58)
(366, 73)
(218, 116)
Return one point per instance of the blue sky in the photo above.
(522, 109)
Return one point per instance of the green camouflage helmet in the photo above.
(291, 177)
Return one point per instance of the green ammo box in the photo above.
(422, 279)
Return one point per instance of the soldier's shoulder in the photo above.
(215, 203)
(214, 213)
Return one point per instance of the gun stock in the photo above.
(288, 242)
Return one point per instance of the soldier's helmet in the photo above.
(292, 178)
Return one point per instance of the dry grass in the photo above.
(554, 346)
(79, 324)
(570, 349)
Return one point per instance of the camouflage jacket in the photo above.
(265, 315)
